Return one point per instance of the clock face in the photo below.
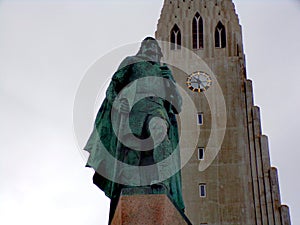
(198, 81)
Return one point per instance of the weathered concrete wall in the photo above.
(242, 188)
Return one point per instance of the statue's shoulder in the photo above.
(129, 60)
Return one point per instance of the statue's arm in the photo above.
(176, 98)
(172, 90)
(119, 80)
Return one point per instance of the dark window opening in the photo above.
(220, 36)
(175, 38)
(202, 190)
(200, 118)
(201, 153)
(197, 29)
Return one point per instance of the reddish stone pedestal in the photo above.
(141, 208)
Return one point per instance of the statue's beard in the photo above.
(152, 55)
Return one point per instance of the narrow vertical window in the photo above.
(201, 153)
(175, 38)
(200, 118)
(220, 36)
(202, 190)
(197, 28)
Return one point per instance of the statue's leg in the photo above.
(129, 170)
(148, 170)
(162, 148)
(113, 206)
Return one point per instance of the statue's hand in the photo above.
(124, 106)
(166, 72)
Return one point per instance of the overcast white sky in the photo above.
(45, 49)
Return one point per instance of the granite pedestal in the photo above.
(147, 206)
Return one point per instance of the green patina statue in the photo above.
(135, 140)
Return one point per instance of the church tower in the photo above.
(239, 186)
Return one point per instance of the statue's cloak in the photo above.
(103, 143)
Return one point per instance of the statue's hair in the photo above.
(146, 42)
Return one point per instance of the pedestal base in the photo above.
(144, 206)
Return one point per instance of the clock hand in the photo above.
(197, 78)
(199, 81)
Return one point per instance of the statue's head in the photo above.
(150, 49)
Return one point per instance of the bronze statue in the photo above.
(143, 95)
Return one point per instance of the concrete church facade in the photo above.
(239, 186)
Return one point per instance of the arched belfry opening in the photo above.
(220, 36)
(175, 38)
(197, 29)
